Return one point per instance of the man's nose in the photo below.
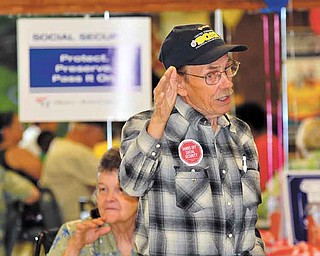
(226, 81)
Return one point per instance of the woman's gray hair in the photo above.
(110, 160)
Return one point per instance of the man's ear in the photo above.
(181, 86)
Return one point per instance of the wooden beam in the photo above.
(305, 4)
(72, 7)
(51, 7)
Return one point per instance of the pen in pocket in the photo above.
(244, 163)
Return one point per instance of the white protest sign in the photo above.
(83, 69)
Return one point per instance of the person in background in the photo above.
(13, 188)
(70, 166)
(12, 156)
(43, 141)
(112, 232)
(194, 166)
(308, 145)
(255, 116)
(28, 166)
(31, 133)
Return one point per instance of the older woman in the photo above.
(113, 232)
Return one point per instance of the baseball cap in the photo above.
(194, 44)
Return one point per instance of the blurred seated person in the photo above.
(31, 133)
(27, 166)
(13, 187)
(255, 116)
(308, 145)
(12, 157)
(70, 166)
(112, 232)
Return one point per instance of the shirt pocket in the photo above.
(251, 188)
(193, 192)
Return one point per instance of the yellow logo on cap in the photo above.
(204, 38)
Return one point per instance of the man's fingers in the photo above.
(170, 71)
(169, 77)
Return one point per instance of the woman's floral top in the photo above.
(104, 246)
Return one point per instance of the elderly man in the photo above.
(194, 166)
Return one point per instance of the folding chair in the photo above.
(49, 209)
(44, 241)
(52, 221)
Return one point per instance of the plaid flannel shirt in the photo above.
(207, 209)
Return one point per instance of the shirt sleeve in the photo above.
(87, 171)
(17, 187)
(259, 249)
(61, 240)
(82, 164)
(141, 156)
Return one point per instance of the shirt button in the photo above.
(158, 146)
(153, 153)
(230, 235)
(224, 171)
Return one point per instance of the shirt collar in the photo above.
(194, 117)
(189, 113)
(225, 121)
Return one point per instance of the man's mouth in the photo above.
(223, 98)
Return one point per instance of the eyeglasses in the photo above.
(215, 76)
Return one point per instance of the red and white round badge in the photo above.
(190, 152)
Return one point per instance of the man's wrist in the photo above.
(156, 127)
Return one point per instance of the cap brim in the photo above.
(216, 53)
